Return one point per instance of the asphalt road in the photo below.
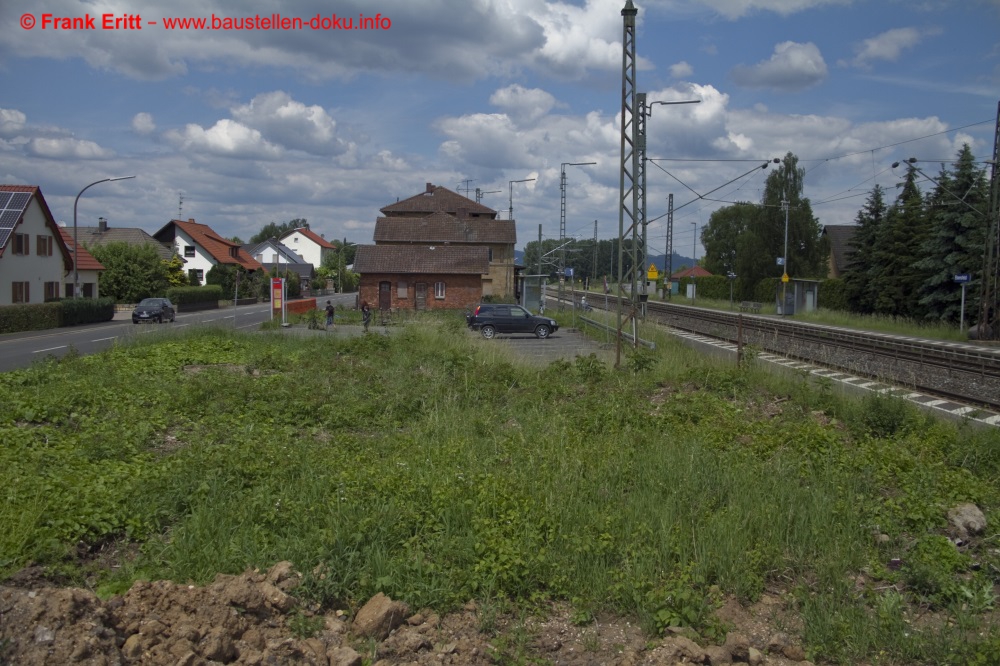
(20, 350)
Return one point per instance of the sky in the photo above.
(237, 128)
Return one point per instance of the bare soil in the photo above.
(253, 619)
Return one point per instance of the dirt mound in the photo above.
(252, 619)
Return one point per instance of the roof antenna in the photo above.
(180, 205)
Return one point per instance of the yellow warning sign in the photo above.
(784, 277)
(652, 273)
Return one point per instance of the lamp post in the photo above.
(510, 184)
(694, 258)
(76, 242)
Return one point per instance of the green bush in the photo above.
(833, 295)
(207, 294)
(29, 317)
(86, 310)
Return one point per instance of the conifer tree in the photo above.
(860, 275)
(897, 248)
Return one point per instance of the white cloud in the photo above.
(734, 9)
(291, 124)
(522, 104)
(888, 45)
(67, 148)
(792, 67)
(11, 121)
(143, 123)
(681, 70)
(227, 138)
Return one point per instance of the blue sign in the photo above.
(568, 272)
(962, 277)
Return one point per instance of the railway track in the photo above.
(964, 373)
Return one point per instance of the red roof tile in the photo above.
(697, 272)
(311, 235)
(86, 259)
(437, 199)
(217, 246)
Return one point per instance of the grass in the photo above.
(433, 467)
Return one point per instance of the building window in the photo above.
(43, 246)
(21, 244)
(20, 292)
(69, 290)
(234, 252)
(189, 251)
(274, 257)
(401, 289)
(490, 250)
(51, 291)
(439, 290)
(196, 274)
(88, 289)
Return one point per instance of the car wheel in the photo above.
(489, 332)
(159, 320)
(542, 331)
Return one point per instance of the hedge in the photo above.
(42, 316)
(189, 295)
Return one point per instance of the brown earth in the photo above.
(252, 619)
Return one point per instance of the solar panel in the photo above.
(13, 205)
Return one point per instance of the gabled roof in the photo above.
(311, 235)
(840, 236)
(50, 222)
(426, 260)
(87, 262)
(216, 246)
(134, 237)
(696, 271)
(287, 254)
(437, 199)
(444, 228)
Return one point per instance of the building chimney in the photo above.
(430, 188)
(102, 225)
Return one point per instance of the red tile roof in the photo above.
(437, 199)
(444, 228)
(426, 260)
(217, 246)
(697, 272)
(50, 221)
(311, 235)
(86, 259)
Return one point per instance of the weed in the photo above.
(305, 625)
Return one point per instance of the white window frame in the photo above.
(439, 290)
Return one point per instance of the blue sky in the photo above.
(257, 126)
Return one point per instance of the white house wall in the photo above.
(201, 259)
(31, 268)
(306, 248)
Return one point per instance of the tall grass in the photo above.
(435, 467)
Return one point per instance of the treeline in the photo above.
(905, 255)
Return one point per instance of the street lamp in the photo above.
(510, 184)
(694, 257)
(76, 242)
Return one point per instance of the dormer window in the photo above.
(234, 252)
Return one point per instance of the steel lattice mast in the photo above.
(628, 193)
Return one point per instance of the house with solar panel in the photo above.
(201, 248)
(36, 262)
(437, 249)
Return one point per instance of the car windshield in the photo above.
(151, 301)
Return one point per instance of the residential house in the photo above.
(840, 236)
(440, 217)
(35, 263)
(201, 248)
(275, 256)
(89, 268)
(419, 277)
(309, 245)
(103, 234)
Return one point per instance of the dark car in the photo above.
(493, 318)
(154, 309)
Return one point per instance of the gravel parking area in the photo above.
(566, 343)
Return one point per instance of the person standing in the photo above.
(366, 315)
(329, 314)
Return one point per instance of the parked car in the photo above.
(492, 318)
(154, 309)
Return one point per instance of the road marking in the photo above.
(113, 337)
(39, 351)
